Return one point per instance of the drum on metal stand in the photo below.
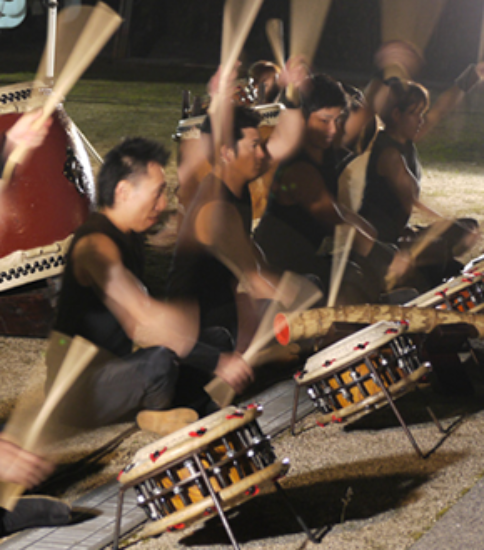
(202, 470)
(463, 293)
(361, 373)
(49, 196)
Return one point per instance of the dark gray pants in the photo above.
(119, 389)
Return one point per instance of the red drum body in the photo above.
(48, 197)
(340, 381)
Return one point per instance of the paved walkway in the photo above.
(461, 527)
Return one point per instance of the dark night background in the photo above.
(189, 32)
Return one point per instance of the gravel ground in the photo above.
(365, 484)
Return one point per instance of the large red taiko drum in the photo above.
(48, 197)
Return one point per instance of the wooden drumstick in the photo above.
(307, 294)
(480, 56)
(80, 354)
(410, 21)
(307, 21)
(100, 26)
(433, 233)
(275, 35)
(351, 185)
(317, 322)
(239, 16)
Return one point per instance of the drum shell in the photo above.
(356, 383)
(40, 205)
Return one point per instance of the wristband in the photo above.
(468, 79)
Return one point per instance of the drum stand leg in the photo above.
(294, 409)
(117, 525)
(301, 522)
(391, 402)
(216, 501)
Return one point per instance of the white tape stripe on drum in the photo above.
(26, 266)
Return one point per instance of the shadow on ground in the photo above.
(328, 496)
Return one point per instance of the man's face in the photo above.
(247, 160)
(147, 198)
(322, 126)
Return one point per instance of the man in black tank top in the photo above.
(214, 250)
(103, 301)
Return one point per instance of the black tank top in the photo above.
(81, 310)
(295, 215)
(381, 206)
(195, 272)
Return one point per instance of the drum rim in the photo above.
(337, 353)
(449, 288)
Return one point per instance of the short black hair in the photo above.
(322, 92)
(243, 118)
(127, 160)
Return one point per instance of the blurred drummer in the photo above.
(16, 465)
(215, 261)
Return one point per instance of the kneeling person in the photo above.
(103, 301)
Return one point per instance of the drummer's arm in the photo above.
(288, 134)
(148, 322)
(393, 168)
(451, 97)
(219, 227)
(286, 137)
(308, 188)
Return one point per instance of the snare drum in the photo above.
(462, 293)
(225, 454)
(340, 381)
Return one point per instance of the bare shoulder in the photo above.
(95, 245)
(93, 258)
